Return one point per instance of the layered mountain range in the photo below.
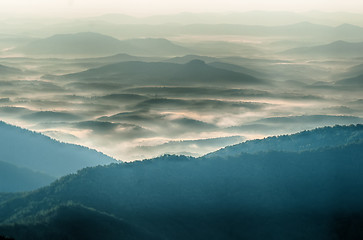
(306, 185)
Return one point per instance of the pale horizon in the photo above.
(144, 8)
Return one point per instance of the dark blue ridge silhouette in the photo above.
(308, 193)
(27, 149)
(302, 141)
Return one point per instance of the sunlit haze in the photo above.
(181, 119)
(72, 8)
(138, 78)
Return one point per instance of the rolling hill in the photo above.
(351, 72)
(356, 82)
(356, 70)
(59, 223)
(302, 141)
(16, 179)
(5, 70)
(314, 193)
(153, 47)
(91, 44)
(195, 72)
(187, 58)
(120, 57)
(88, 44)
(338, 49)
(40, 153)
(240, 69)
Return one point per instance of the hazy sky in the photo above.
(151, 7)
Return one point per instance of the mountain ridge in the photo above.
(337, 49)
(213, 198)
(335, 136)
(159, 73)
(20, 179)
(85, 44)
(41, 153)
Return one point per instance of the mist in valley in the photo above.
(181, 119)
(130, 86)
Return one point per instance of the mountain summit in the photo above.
(89, 44)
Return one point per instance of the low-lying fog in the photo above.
(188, 90)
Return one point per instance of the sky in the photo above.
(72, 8)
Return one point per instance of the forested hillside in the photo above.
(314, 193)
(27, 152)
(302, 141)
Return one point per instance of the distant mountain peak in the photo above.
(347, 26)
(86, 44)
(304, 23)
(338, 48)
(309, 25)
(339, 42)
(41, 153)
(81, 34)
(196, 62)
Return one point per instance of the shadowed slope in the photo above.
(276, 195)
(195, 72)
(41, 153)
